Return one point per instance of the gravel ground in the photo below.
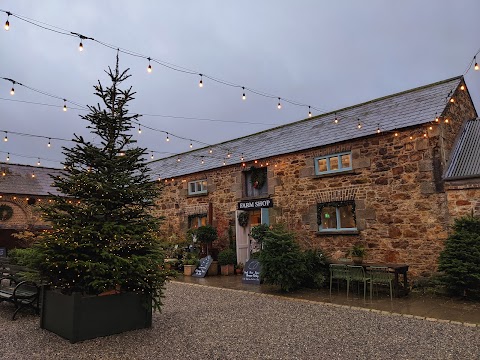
(210, 323)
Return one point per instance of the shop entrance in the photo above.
(245, 244)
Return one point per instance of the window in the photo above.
(256, 182)
(197, 220)
(333, 163)
(197, 187)
(336, 216)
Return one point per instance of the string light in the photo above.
(178, 159)
(396, 133)
(210, 151)
(436, 118)
(191, 145)
(8, 156)
(447, 121)
(12, 91)
(149, 68)
(200, 84)
(49, 144)
(279, 106)
(425, 134)
(38, 162)
(378, 129)
(151, 156)
(228, 154)
(336, 119)
(33, 174)
(203, 161)
(476, 67)
(241, 157)
(411, 137)
(452, 100)
(80, 47)
(430, 127)
(462, 87)
(309, 112)
(6, 137)
(243, 96)
(168, 139)
(64, 105)
(7, 23)
(224, 162)
(139, 129)
(359, 124)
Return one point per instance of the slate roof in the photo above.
(465, 157)
(405, 109)
(18, 180)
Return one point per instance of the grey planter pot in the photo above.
(78, 317)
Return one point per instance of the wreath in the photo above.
(243, 219)
(258, 177)
(6, 212)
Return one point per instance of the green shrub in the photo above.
(282, 261)
(227, 257)
(316, 265)
(258, 232)
(460, 260)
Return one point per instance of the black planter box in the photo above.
(78, 317)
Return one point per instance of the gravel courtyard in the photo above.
(200, 322)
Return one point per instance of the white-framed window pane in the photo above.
(197, 187)
(192, 188)
(333, 163)
(345, 161)
(322, 165)
(346, 217)
(329, 218)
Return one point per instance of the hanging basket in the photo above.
(6, 212)
(243, 219)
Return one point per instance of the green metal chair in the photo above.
(381, 275)
(337, 272)
(357, 274)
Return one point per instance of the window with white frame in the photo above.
(333, 163)
(197, 220)
(336, 216)
(197, 187)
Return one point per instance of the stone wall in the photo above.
(463, 198)
(401, 209)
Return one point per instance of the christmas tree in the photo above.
(103, 233)
(460, 260)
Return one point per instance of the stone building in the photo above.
(22, 189)
(462, 179)
(370, 173)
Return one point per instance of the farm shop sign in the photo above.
(255, 204)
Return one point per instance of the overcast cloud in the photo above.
(327, 54)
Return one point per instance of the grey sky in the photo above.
(327, 54)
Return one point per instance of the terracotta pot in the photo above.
(227, 270)
(239, 271)
(189, 269)
(357, 259)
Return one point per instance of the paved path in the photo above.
(200, 322)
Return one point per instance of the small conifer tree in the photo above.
(103, 233)
(460, 260)
(282, 261)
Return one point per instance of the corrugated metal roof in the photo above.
(465, 158)
(409, 108)
(18, 180)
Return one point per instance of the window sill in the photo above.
(348, 172)
(339, 232)
(197, 195)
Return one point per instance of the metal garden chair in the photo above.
(338, 272)
(381, 275)
(357, 274)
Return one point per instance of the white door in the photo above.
(242, 240)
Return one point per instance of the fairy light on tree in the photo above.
(107, 241)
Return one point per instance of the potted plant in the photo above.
(239, 269)
(226, 259)
(357, 253)
(103, 239)
(258, 233)
(206, 235)
(190, 263)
